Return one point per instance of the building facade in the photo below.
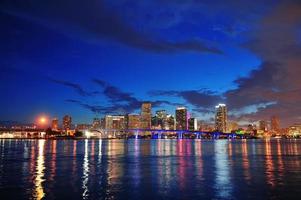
(192, 124)
(55, 124)
(170, 122)
(146, 115)
(132, 121)
(181, 118)
(221, 118)
(67, 121)
(114, 122)
(159, 121)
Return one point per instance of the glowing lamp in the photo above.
(42, 120)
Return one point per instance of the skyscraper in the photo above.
(192, 124)
(114, 122)
(55, 124)
(275, 124)
(132, 121)
(146, 115)
(170, 122)
(181, 118)
(221, 118)
(67, 120)
(161, 118)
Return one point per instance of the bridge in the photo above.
(155, 133)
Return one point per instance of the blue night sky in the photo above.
(97, 57)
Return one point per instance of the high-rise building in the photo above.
(108, 122)
(263, 126)
(115, 122)
(155, 122)
(181, 118)
(161, 114)
(55, 124)
(170, 123)
(118, 122)
(96, 123)
(146, 115)
(275, 124)
(221, 118)
(132, 121)
(192, 124)
(67, 120)
(160, 119)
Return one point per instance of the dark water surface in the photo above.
(150, 169)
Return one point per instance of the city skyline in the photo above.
(180, 119)
(150, 99)
(200, 54)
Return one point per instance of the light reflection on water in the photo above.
(150, 169)
(86, 172)
(222, 179)
(39, 179)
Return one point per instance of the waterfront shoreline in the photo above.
(83, 138)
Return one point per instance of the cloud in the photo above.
(115, 94)
(119, 102)
(74, 86)
(251, 109)
(199, 98)
(124, 101)
(275, 41)
(203, 101)
(93, 20)
(93, 108)
(274, 88)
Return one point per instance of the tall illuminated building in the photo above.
(146, 115)
(67, 120)
(55, 124)
(115, 122)
(161, 114)
(170, 123)
(181, 118)
(118, 122)
(192, 124)
(221, 118)
(132, 121)
(160, 119)
(108, 122)
(275, 124)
